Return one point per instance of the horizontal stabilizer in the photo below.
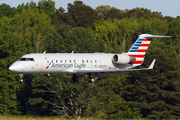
(152, 36)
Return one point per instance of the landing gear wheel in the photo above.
(75, 78)
(21, 79)
(91, 79)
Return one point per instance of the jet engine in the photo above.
(122, 59)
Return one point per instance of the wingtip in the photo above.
(152, 64)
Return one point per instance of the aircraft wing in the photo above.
(114, 70)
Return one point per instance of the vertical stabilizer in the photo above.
(139, 48)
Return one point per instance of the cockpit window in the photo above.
(30, 59)
(26, 59)
(22, 59)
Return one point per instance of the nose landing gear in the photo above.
(21, 79)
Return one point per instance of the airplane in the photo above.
(93, 64)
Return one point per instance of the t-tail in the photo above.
(139, 48)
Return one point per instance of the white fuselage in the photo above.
(88, 63)
(65, 63)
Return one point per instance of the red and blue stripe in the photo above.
(138, 50)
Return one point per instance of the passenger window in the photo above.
(70, 61)
(52, 61)
(95, 61)
(65, 60)
(61, 61)
(74, 61)
(91, 61)
(47, 61)
(87, 61)
(56, 61)
(82, 61)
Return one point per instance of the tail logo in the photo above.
(138, 50)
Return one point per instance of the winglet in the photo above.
(152, 64)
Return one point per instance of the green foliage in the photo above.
(116, 34)
(153, 26)
(103, 10)
(47, 5)
(33, 28)
(18, 35)
(156, 91)
(78, 39)
(6, 10)
(44, 6)
(8, 84)
(78, 15)
(63, 96)
(134, 13)
(174, 32)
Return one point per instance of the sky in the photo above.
(166, 7)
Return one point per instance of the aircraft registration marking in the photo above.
(102, 66)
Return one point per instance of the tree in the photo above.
(103, 10)
(34, 26)
(44, 6)
(61, 95)
(47, 5)
(26, 6)
(174, 32)
(19, 35)
(156, 91)
(116, 14)
(78, 39)
(6, 10)
(8, 84)
(116, 34)
(79, 15)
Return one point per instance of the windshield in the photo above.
(26, 59)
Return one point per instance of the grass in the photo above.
(53, 118)
(30, 118)
(6, 117)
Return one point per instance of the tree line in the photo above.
(34, 28)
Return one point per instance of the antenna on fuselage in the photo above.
(44, 52)
(72, 52)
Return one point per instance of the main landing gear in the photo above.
(90, 79)
(21, 79)
(75, 78)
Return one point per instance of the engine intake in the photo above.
(122, 59)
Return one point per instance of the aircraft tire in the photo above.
(20, 80)
(91, 80)
(76, 78)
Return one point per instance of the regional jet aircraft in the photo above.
(93, 64)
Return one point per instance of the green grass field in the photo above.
(56, 118)
(30, 118)
(39, 118)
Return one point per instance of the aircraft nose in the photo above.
(10, 68)
(14, 67)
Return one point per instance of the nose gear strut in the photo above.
(21, 79)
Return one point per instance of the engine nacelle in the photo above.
(122, 59)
